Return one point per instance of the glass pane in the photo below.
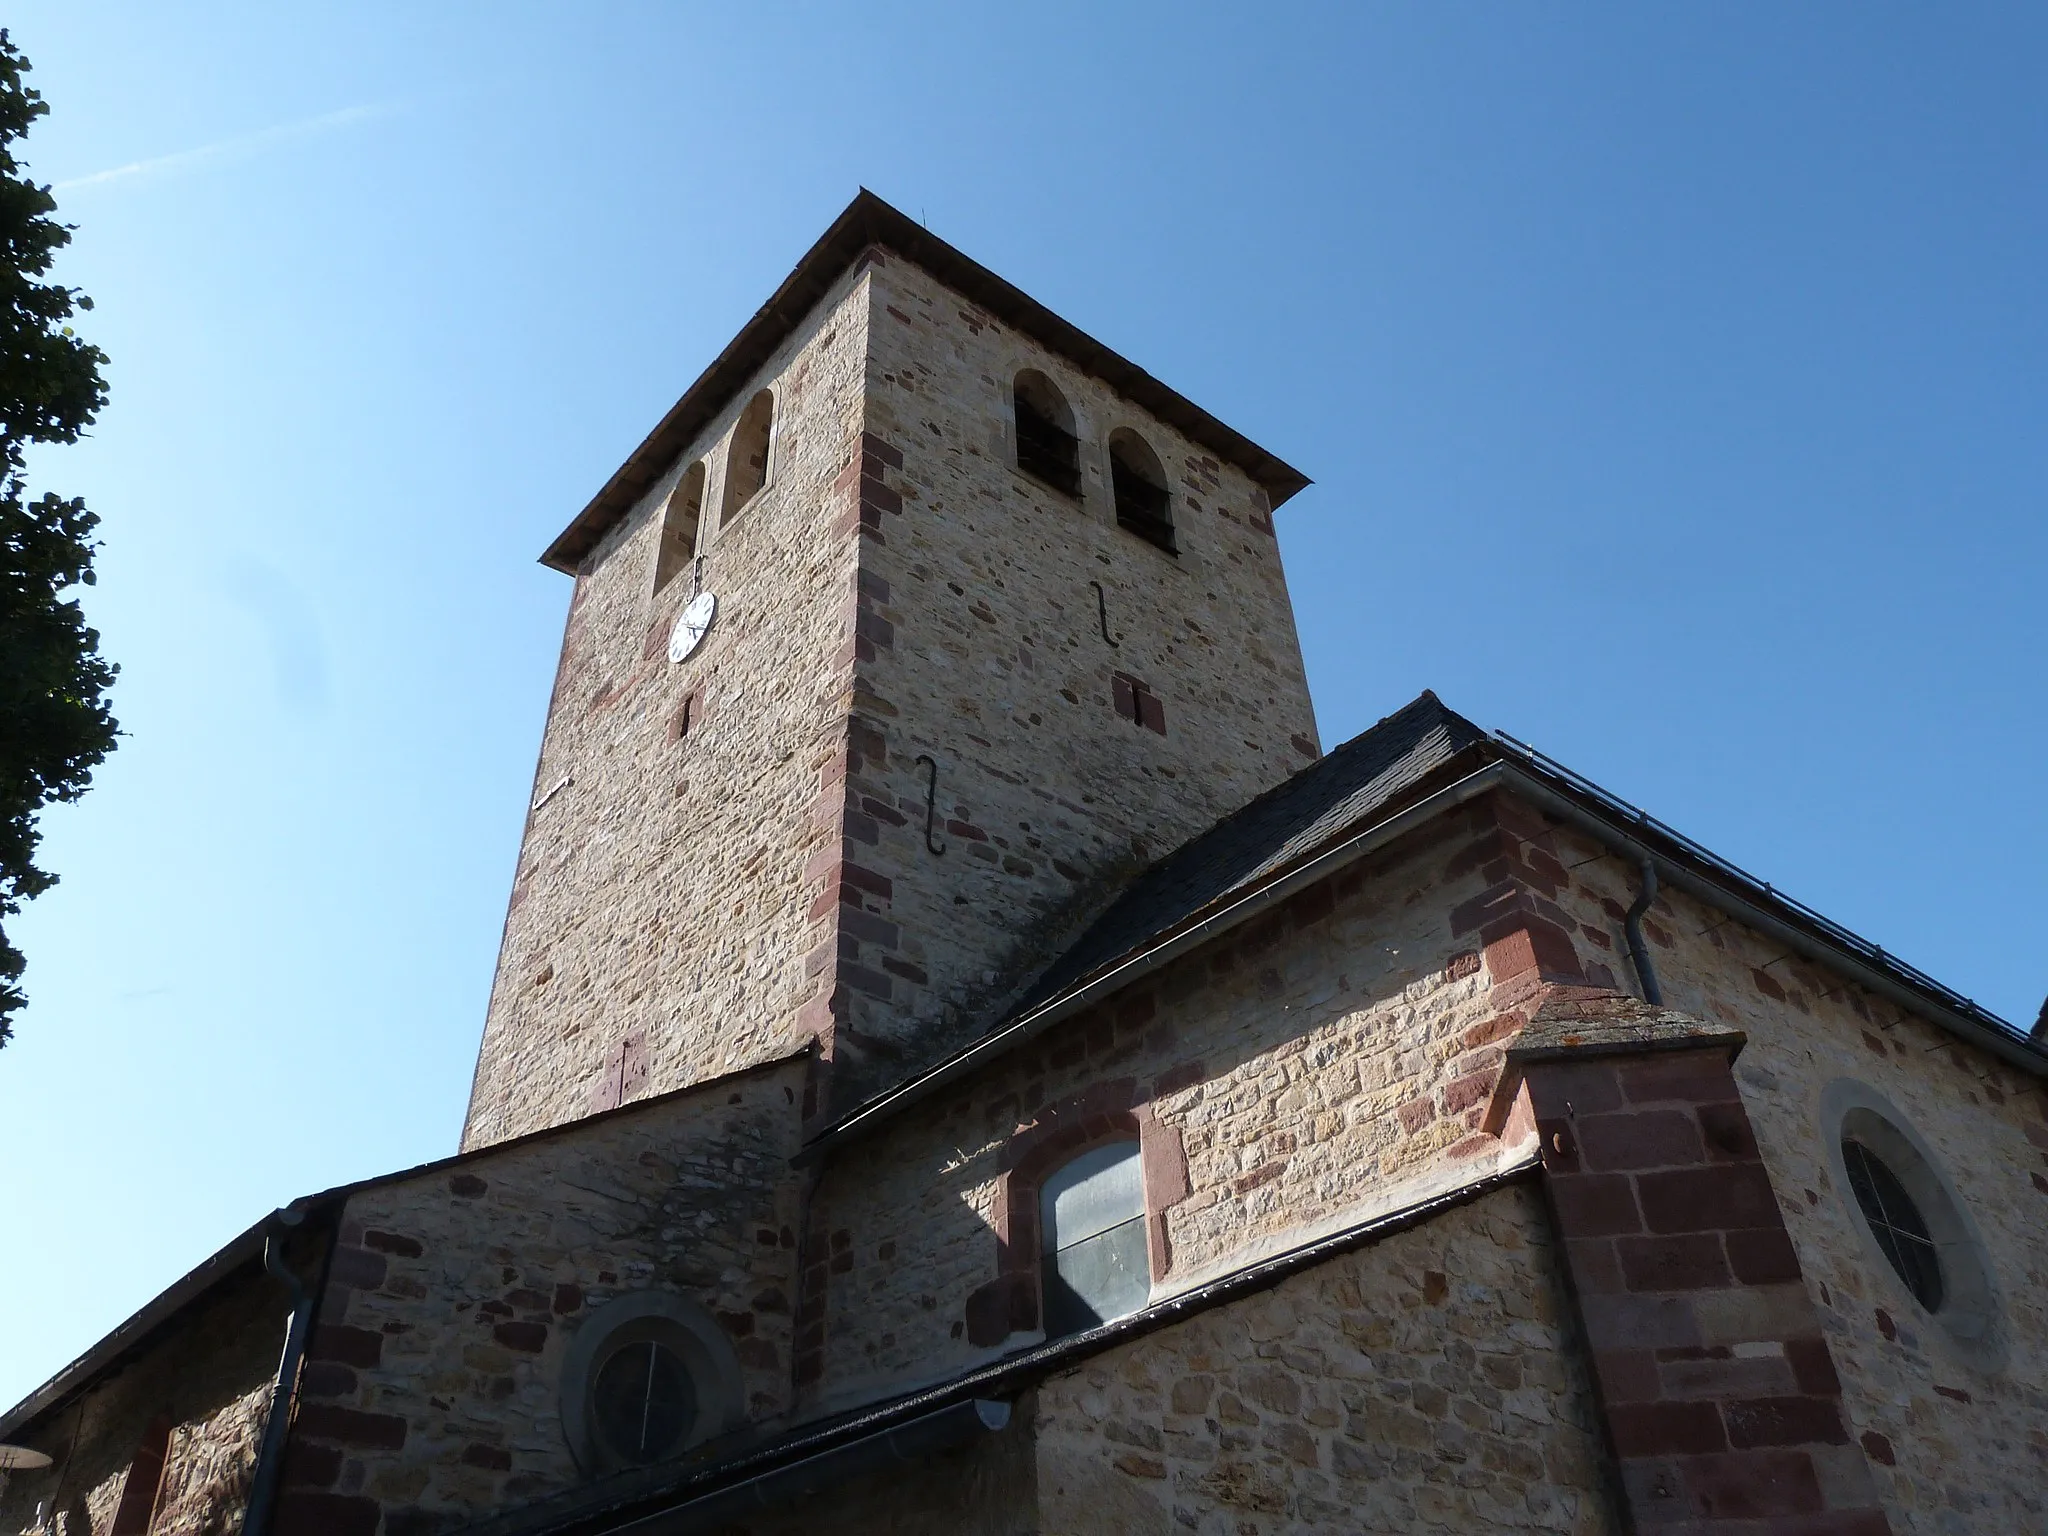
(1093, 1193)
(1096, 1279)
(643, 1402)
(1896, 1222)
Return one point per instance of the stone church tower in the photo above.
(912, 753)
(963, 1063)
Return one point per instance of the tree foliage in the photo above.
(55, 726)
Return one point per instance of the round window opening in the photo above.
(647, 1377)
(1917, 1230)
(643, 1403)
(1895, 1221)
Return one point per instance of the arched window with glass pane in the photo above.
(1093, 1260)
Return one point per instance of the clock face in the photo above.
(692, 624)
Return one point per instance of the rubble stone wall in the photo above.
(211, 1381)
(1332, 1057)
(434, 1374)
(1953, 1444)
(661, 909)
(1429, 1382)
(998, 615)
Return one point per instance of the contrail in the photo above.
(248, 141)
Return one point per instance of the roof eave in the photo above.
(1678, 861)
(247, 1247)
(242, 1251)
(1197, 929)
(866, 222)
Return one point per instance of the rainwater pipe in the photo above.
(1632, 926)
(277, 1424)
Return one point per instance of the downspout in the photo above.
(1632, 925)
(277, 1425)
(800, 1318)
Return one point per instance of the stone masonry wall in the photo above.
(730, 854)
(1953, 1445)
(1722, 1402)
(662, 909)
(433, 1378)
(1329, 1059)
(210, 1382)
(1427, 1383)
(983, 660)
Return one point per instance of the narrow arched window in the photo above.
(1047, 448)
(1091, 1217)
(1143, 503)
(746, 462)
(679, 520)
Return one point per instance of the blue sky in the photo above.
(1671, 378)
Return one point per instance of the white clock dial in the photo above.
(692, 624)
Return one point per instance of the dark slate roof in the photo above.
(1287, 823)
(1378, 776)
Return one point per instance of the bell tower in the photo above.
(919, 624)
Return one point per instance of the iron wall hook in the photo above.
(931, 800)
(1102, 613)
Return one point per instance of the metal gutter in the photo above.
(1834, 947)
(993, 1384)
(1145, 961)
(944, 1429)
(1662, 851)
(247, 1248)
(243, 1250)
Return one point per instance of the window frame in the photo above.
(1012, 1303)
(1895, 1221)
(652, 1340)
(1162, 532)
(1969, 1320)
(665, 573)
(1050, 1249)
(680, 1325)
(1068, 480)
(730, 510)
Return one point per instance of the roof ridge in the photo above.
(1295, 781)
(1319, 801)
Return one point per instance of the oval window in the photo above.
(1913, 1220)
(1895, 1221)
(1094, 1260)
(643, 1403)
